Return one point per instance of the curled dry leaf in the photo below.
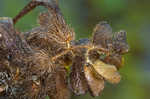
(96, 84)
(109, 72)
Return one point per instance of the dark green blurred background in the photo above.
(130, 15)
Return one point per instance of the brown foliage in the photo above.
(35, 65)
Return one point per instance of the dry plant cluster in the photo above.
(48, 61)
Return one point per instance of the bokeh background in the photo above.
(130, 15)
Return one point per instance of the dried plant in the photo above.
(48, 61)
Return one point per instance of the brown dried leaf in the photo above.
(56, 85)
(102, 34)
(62, 89)
(115, 59)
(96, 84)
(78, 82)
(120, 42)
(109, 72)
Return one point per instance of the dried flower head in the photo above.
(48, 61)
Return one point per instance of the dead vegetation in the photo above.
(48, 61)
